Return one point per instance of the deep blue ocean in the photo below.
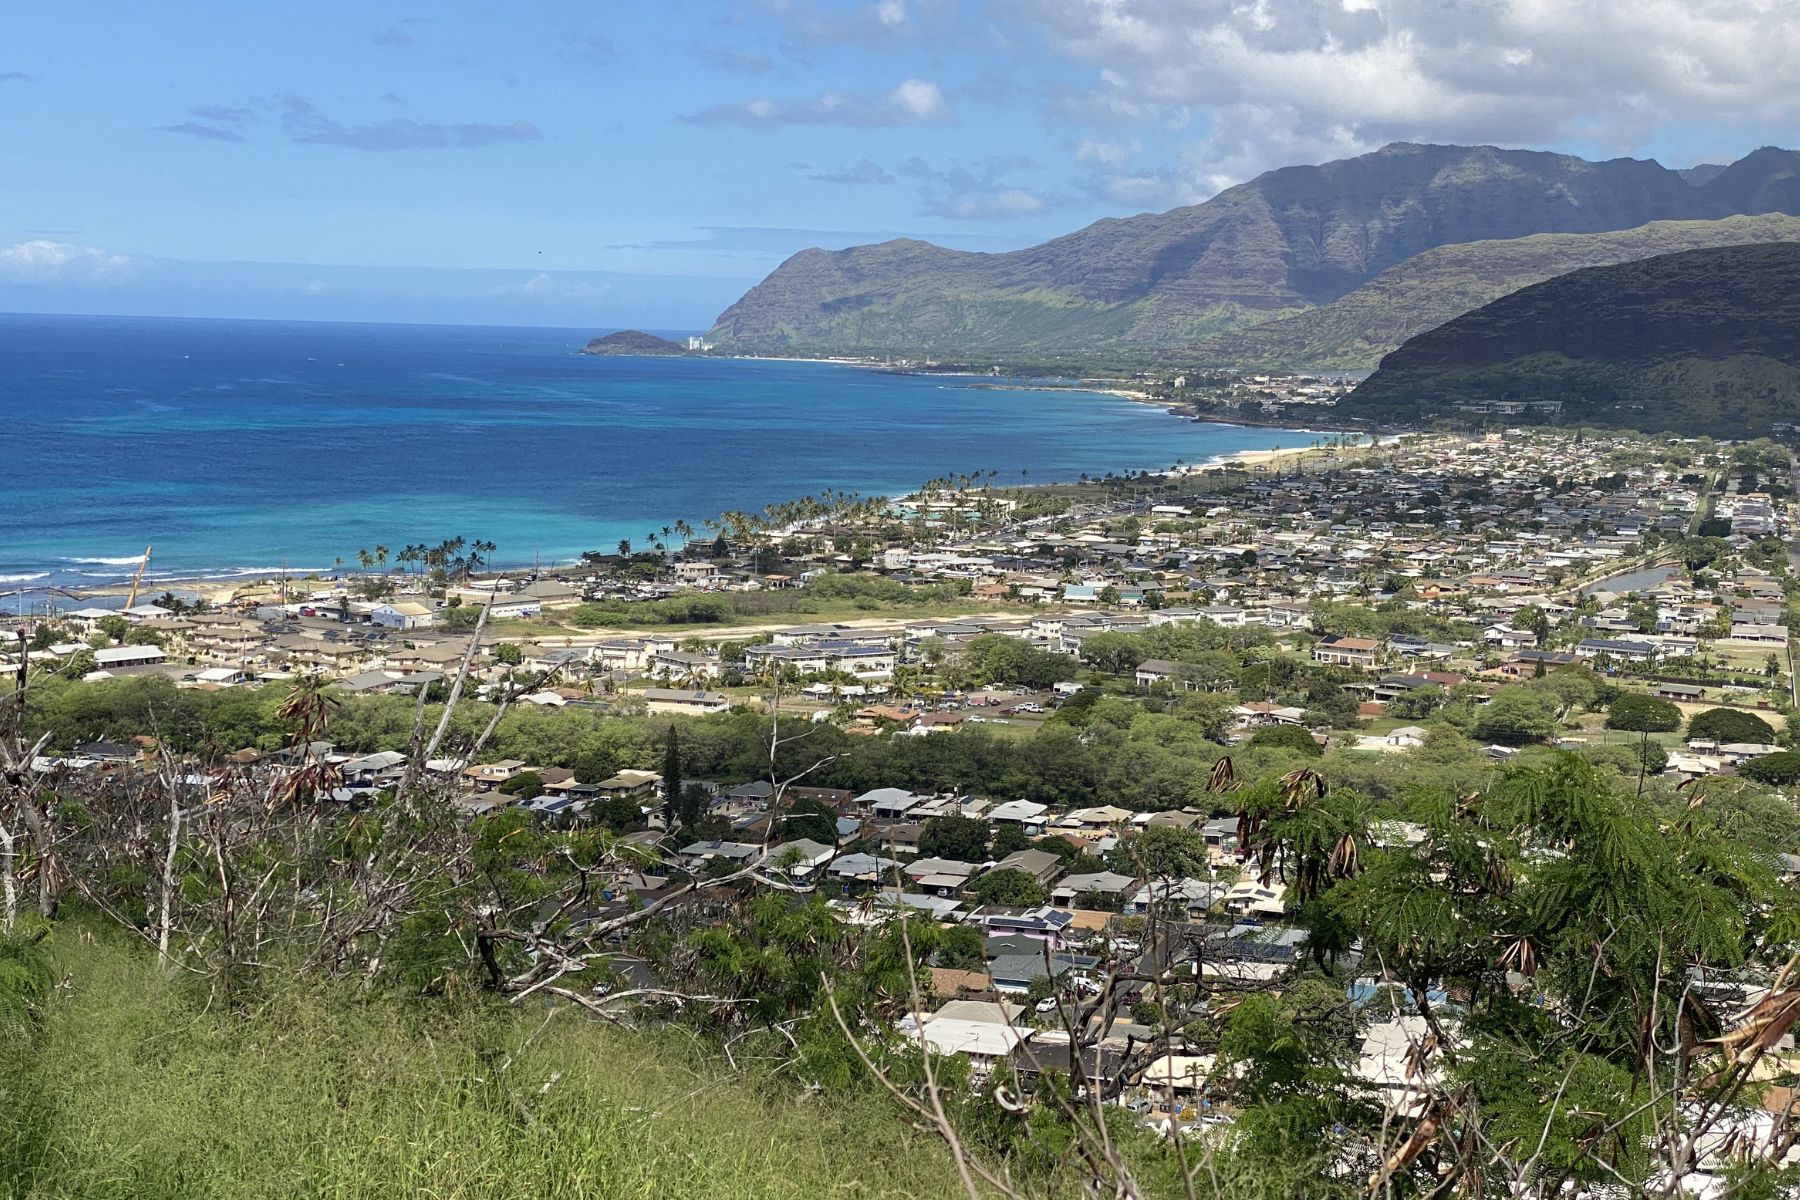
(243, 446)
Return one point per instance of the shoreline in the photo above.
(202, 584)
(68, 582)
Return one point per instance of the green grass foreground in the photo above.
(131, 1089)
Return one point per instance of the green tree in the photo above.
(1727, 725)
(526, 785)
(1286, 737)
(1636, 712)
(1514, 716)
(809, 818)
(1008, 887)
(955, 837)
(1114, 653)
(458, 618)
(1163, 852)
(1009, 838)
(1572, 686)
(1533, 619)
(963, 948)
(1781, 768)
(78, 664)
(1417, 703)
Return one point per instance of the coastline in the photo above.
(42, 570)
(212, 585)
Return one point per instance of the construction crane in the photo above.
(136, 580)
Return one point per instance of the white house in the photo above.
(402, 614)
(693, 703)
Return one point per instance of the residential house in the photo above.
(1335, 650)
(113, 657)
(1628, 650)
(801, 858)
(1104, 817)
(700, 855)
(693, 703)
(940, 876)
(1028, 814)
(680, 665)
(1153, 671)
(1111, 887)
(1041, 865)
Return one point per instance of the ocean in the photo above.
(243, 447)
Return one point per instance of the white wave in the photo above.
(236, 571)
(25, 578)
(132, 561)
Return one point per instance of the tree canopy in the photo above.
(1636, 712)
(1726, 725)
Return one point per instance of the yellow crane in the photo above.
(131, 601)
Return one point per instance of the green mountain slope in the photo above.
(1289, 240)
(1353, 332)
(1705, 341)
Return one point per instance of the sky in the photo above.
(624, 163)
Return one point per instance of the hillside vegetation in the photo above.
(1354, 332)
(1706, 341)
(134, 1089)
(1289, 240)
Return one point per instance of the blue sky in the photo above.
(617, 163)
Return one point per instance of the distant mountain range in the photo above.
(1701, 342)
(1353, 332)
(1289, 241)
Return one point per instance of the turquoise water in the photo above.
(239, 446)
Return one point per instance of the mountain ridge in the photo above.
(1698, 342)
(1355, 331)
(1291, 239)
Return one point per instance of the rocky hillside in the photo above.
(1706, 341)
(1289, 240)
(1353, 332)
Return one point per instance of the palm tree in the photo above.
(381, 558)
(624, 547)
(364, 560)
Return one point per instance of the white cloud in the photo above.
(1107, 154)
(981, 191)
(545, 286)
(912, 102)
(1276, 81)
(1007, 202)
(44, 261)
(921, 99)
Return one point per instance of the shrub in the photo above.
(1286, 737)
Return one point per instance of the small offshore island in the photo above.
(636, 341)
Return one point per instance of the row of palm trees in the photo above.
(456, 556)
